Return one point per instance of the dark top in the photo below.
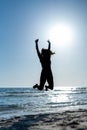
(44, 57)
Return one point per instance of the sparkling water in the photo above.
(27, 101)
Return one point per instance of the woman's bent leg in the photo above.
(50, 80)
(42, 80)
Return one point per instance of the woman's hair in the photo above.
(46, 52)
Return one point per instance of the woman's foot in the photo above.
(46, 87)
(35, 86)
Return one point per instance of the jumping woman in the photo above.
(46, 73)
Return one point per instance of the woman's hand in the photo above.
(36, 41)
(49, 42)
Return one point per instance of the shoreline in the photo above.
(67, 120)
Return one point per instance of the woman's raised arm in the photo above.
(37, 49)
(49, 46)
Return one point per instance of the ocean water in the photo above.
(27, 101)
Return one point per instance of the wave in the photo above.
(8, 107)
(31, 100)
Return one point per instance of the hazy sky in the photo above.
(22, 21)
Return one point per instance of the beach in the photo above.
(67, 120)
(64, 108)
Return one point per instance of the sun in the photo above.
(61, 35)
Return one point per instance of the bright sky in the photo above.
(63, 22)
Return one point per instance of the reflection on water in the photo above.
(65, 98)
(21, 101)
(60, 98)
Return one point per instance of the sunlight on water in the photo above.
(22, 101)
(59, 95)
(60, 98)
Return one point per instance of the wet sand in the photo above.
(68, 120)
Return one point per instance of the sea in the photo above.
(28, 101)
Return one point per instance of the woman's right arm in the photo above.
(37, 49)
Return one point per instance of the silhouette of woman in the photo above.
(46, 73)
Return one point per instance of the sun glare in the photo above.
(61, 35)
